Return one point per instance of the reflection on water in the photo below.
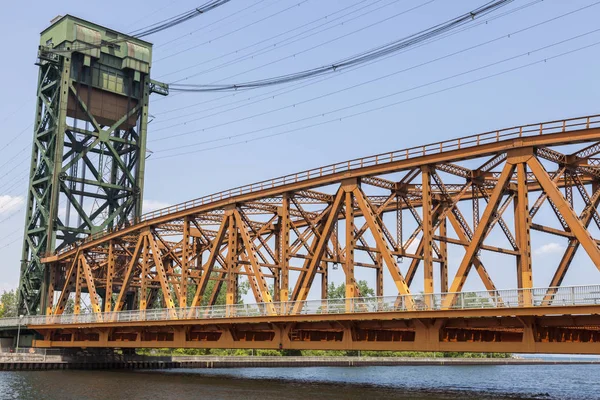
(402, 382)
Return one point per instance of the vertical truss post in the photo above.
(427, 235)
(51, 271)
(185, 263)
(324, 283)
(78, 285)
(110, 274)
(399, 240)
(474, 191)
(350, 243)
(379, 274)
(522, 231)
(143, 297)
(444, 256)
(569, 188)
(284, 248)
(231, 262)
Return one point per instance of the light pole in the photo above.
(19, 331)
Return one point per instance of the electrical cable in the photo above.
(383, 97)
(285, 43)
(15, 156)
(356, 59)
(14, 182)
(254, 4)
(301, 85)
(13, 139)
(154, 28)
(233, 31)
(277, 45)
(11, 113)
(505, 36)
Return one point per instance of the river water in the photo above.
(361, 383)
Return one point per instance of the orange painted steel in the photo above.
(366, 214)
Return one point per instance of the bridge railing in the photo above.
(511, 298)
(544, 128)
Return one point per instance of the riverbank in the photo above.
(16, 362)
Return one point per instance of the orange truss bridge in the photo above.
(392, 217)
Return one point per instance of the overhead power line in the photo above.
(156, 27)
(300, 85)
(228, 16)
(269, 95)
(239, 50)
(178, 19)
(234, 31)
(311, 32)
(354, 60)
(369, 81)
(540, 61)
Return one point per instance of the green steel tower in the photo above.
(89, 144)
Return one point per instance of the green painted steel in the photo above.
(89, 145)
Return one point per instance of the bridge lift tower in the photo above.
(89, 144)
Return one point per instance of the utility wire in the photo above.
(254, 4)
(413, 67)
(14, 138)
(11, 234)
(297, 86)
(485, 43)
(544, 60)
(15, 156)
(230, 95)
(356, 59)
(10, 114)
(13, 183)
(277, 45)
(286, 42)
(233, 31)
(154, 28)
(11, 243)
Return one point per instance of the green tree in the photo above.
(221, 300)
(8, 304)
(339, 292)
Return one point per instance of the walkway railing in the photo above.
(545, 128)
(511, 298)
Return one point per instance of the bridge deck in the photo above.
(516, 321)
(565, 296)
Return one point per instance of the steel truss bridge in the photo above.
(155, 282)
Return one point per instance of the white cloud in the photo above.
(549, 248)
(151, 205)
(10, 203)
(412, 249)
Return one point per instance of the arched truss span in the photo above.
(483, 195)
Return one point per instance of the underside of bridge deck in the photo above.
(519, 330)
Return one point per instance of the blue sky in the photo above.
(559, 88)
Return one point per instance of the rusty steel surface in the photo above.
(368, 214)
